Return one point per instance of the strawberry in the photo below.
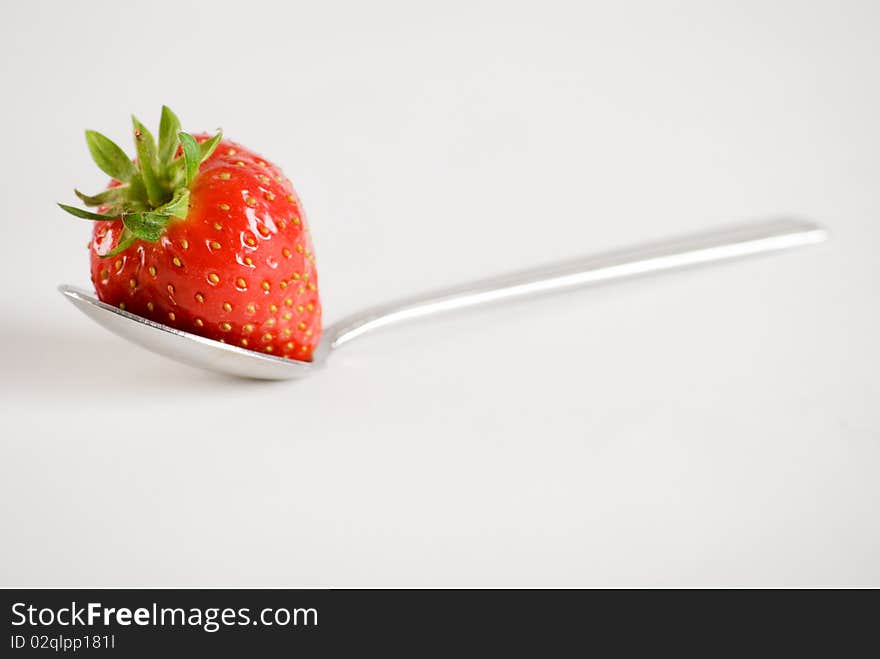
(204, 235)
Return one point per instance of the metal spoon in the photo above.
(697, 249)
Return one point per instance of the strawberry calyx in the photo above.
(154, 188)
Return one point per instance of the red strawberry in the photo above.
(204, 235)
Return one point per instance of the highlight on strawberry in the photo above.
(202, 234)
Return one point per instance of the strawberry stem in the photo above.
(158, 180)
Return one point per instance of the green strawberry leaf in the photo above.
(85, 215)
(106, 198)
(109, 157)
(148, 162)
(146, 226)
(177, 207)
(191, 154)
(138, 197)
(207, 147)
(169, 126)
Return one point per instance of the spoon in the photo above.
(692, 250)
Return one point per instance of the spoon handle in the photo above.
(672, 254)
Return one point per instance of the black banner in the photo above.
(136, 623)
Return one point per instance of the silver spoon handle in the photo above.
(686, 251)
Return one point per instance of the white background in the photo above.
(714, 427)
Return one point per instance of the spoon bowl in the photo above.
(188, 348)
